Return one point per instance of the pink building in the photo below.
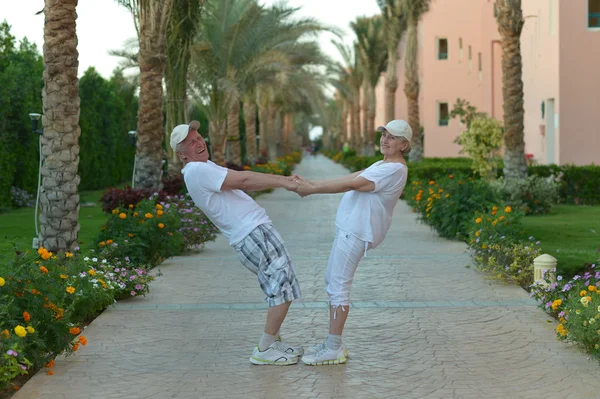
(460, 56)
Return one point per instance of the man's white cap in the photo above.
(398, 128)
(180, 133)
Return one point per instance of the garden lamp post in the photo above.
(132, 137)
(35, 118)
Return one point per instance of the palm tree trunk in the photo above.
(272, 130)
(365, 116)
(510, 25)
(369, 149)
(391, 84)
(234, 153)
(60, 142)
(344, 124)
(217, 134)
(250, 120)
(411, 89)
(263, 119)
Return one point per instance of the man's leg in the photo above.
(275, 317)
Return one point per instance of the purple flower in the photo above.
(117, 269)
(559, 278)
(548, 304)
(138, 287)
(23, 367)
(76, 249)
(131, 278)
(577, 277)
(133, 293)
(587, 282)
(567, 287)
(139, 272)
(127, 258)
(11, 353)
(561, 314)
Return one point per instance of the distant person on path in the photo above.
(217, 191)
(363, 220)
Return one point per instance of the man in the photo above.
(218, 192)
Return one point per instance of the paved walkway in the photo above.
(421, 325)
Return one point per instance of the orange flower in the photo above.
(148, 215)
(26, 316)
(16, 387)
(130, 206)
(159, 206)
(108, 242)
(70, 290)
(74, 330)
(50, 364)
(50, 372)
(101, 243)
(451, 176)
(508, 209)
(501, 218)
(161, 226)
(43, 270)
(431, 183)
(5, 334)
(159, 212)
(493, 213)
(75, 347)
(82, 340)
(130, 235)
(123, 215)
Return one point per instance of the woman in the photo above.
(363, 219)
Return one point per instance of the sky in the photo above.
(103, 25)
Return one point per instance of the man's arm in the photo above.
(253, 181)
(336, 186)
(329, 181)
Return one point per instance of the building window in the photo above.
(480, 66)
(470, 59)
(460, 52)
(443, 114)
(442, 49)
(594, 14)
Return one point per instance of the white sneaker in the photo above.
(272, 356)
(326, 356)
(287, 348)
(317, 347)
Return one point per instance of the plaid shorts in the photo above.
(264, 254)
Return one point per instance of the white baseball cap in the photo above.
(398, 128)
(180, 133)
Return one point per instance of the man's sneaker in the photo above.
(311, 350)
(326, 356)
(287, 348)
(272, 356)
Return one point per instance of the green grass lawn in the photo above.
(571, 234)
(17, 227)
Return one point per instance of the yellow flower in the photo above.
(578, 311)
(64, 276)
(596, 346)
(2, 282)
(148, 216)
(159, 212)
(92, 272)
(477, 234)
(501, 218)
(68, 255)
(159, 206)
(70, 290)
(592, 288)
(495, 222)
(123, 215)
(20, 331)
(495, 208)
(130, 206)
(115, 211)
(583, 293)
(136, 214)
(508, 209)
(556, 304)
(30, 329)
(478, 220)
(161, 226)
(561, 330)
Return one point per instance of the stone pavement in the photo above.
(421, 325)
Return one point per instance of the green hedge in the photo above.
(578, 184)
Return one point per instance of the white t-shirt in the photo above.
(368, 215)
(232, 211)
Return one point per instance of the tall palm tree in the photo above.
(59, 198)
(414, 11)
(394, 27)
(151, 19)
(182, 28)
(373, 56)
(510, 24)
(349, 80)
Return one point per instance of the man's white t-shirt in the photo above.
(232, 211)
(368, 215)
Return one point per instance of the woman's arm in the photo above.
(329, 181)
(335, 186)
(254, 181)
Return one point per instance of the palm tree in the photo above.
(151, 19)
(373, 56)
(394, 28)
(414, 11)
(182, 28)
(510, 23)
(59, 198)
(349, 80)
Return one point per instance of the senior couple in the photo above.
(363, 219)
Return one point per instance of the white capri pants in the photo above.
(346, 252)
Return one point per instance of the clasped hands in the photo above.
(299, 185)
